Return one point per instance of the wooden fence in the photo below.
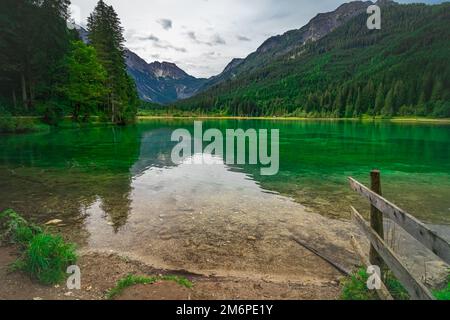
(380, 253)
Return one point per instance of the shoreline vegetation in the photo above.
(36, 124)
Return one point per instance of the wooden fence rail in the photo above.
(416, 228)
(415, 288)
(380, 253)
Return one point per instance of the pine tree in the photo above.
(388, 109)
(379, 100)
(106, 36)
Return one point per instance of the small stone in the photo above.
(53, 222)
(37, 298)
(251, 238)
(68, 294)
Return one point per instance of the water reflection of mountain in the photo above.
(155, 151)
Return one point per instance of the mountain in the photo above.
(277, 46)
(161, 82)
(158, 82)
(343, 69)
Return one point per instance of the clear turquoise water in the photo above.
(63, 172)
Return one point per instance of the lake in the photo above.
(117, 188)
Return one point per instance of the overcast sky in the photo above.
(202, 36)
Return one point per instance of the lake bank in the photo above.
(101, 271)
(399, 119)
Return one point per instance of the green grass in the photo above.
(16, 230)
(443, 294)
(45, 257)
(132, 280)
(355, 287)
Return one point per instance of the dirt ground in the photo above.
(100, 272)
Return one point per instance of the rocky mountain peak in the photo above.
(167, 70)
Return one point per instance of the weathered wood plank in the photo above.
(383, 292)
(413, 226)
(376, 218)
(415, 288)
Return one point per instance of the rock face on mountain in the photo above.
(276, 46)
(161, 82)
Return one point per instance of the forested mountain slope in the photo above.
(401, 69)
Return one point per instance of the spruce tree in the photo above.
(106, 36)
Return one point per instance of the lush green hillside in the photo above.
(402, 69)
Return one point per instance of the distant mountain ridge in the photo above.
(398, 70)
(320, 26)
(161, 82)
(158, 82)
(164, 82)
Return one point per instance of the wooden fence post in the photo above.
(376, 219)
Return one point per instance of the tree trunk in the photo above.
(24, 90)
(31, 101)
(14, 99)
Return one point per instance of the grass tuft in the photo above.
(45, 256)
(355, 287)
(443, 294)
(132, 280)
(48, 257)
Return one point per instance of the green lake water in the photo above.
(64, 170)
(117, 189)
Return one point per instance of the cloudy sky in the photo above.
(202, 36)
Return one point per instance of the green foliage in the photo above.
(10, 124)
(15, 229)
(45, 256)
(395, 287)
(85, 88)
(401, 69)
(106, 36)
(355, 287)
(46, 72)
(132, 280)
(443, 294)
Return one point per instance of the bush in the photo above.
(441, 109)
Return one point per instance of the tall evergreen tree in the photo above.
(106, 36)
